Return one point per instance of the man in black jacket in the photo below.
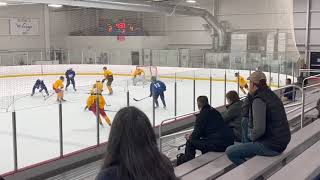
(210, 132)
(267, 126)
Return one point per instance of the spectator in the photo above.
(288, 94)
(132, 152)
(210, 132)
(231, 115)
(268, 127)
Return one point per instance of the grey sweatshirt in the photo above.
(258, 126)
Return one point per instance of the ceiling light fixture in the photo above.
(55, 5)
(3, 4)
(191, 1)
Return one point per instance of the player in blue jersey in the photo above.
(70, 74)
(157, 88)
(39, 85)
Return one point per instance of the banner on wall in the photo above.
(24, 26)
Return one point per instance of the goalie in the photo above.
(138, 76)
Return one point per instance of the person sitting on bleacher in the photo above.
(268, 128)
(231, 114)
(210, 133)
(132, 151)
(288, 94)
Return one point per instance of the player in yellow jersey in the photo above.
(58, 88)
(92, 106)
(98, 85)
(108, 75)
(138, 75)
(242, 82)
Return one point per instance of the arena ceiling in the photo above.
(137, 3)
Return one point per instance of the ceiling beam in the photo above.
(98, 4)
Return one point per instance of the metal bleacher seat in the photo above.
(196, 163)
(305, 166)
(259, 165)
(211, 170)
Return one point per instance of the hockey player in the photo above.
(70, 75)
(242, 82)
(58, 88)
(98, 85)
(92, 106)
(157, 89)
(39, 84)
(138, 75)
(108, 75)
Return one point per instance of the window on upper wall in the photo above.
(257, 41)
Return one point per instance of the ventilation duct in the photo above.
(218, 41)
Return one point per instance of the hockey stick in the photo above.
(47, 97)
(107, 110)
(140, 99)
(44, 95)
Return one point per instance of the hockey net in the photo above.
(149, 71)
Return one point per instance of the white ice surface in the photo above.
(38, 119)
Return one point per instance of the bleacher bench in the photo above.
(302, 167)
(259, 165)
(196, 163)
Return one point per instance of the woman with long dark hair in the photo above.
(132, 152)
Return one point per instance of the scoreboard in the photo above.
(120, 27)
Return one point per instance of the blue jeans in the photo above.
(239, 153)
(244, 128)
